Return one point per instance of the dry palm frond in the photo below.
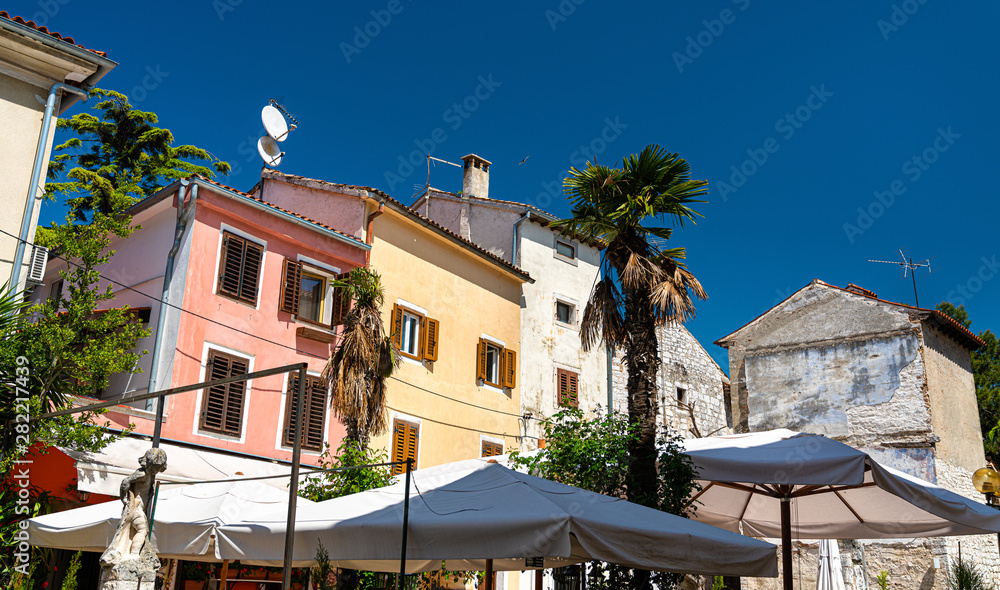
(602, 318)
(672, 296)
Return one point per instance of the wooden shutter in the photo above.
(567, 382)
(397, 326)
(239, 269)
(481, 368)
(430, 340)
(341, 305)
(509, 376)
(405, 438)
(315, 412)
(292, 274)
(222, 405)
(492, 449)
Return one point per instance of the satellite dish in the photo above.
(274, 123)
(269, 150)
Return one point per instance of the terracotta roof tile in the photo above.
(41, 29)
(412, 213)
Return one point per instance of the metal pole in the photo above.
(293, 487)
(786, 542)
(913, 273)
(406, 526)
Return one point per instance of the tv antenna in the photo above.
(909, 267)
(429, 158)
(277, 127)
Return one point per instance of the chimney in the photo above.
(476, 177)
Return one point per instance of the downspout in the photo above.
(611, 381)
(36, 172)
(370, 231)
(183, 217)
(513, 250)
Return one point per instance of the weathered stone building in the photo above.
(890, 379)
(693, 389)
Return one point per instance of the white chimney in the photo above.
(476, 177)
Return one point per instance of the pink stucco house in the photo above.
(247, 287)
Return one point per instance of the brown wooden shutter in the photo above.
(397, 326)
(315, 413)
(231, 265)
(405, 439)
(492, 449)
(567, 382)
(430, 340)
(292, 274)
(252, 259)
(222, 405)
(341, 305)
(481, 368)
(509, 376)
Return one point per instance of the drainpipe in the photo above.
(370, 231)
(611, 381)
(36, 173)
(184, 215)
(513, 250)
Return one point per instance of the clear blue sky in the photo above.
(839, 98)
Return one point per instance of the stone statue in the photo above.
(130, 561)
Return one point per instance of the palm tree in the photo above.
(642, 284)
(363, 360)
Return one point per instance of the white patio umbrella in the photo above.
(752, 483)
(186, 520)
(830, 576)
(468, 512)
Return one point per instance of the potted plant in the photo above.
(196, 574)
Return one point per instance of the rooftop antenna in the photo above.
(277, 127)
(429, 158)
(909, 267)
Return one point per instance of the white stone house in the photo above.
(554, 369)
(890, 379)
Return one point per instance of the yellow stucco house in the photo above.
(454, 310)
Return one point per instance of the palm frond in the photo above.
(602, 318)
(672, 297)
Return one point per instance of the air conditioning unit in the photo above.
(36, 268)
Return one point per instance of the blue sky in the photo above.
(830, 133)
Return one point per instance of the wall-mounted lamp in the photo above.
(84, 496)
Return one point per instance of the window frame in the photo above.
(211, 353)
(325, 304)
(558, 241)
(294, 271)
(415, 339)
(571, 400)
(414, 425)
(496, 365)
(426, 339)
(226, 236)
(495, 447)
(314, 382)
(506, 365)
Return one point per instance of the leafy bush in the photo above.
(966, 576)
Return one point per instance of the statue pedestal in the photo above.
(132, 572)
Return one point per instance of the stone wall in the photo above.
(687, 367)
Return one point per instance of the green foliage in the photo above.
(14, 573)
(197, 571)
(986, 373)
(717, 583)
(118, 152)
(355, 477)
(594, 455)
(882, 579)
(322, 574)
(966, 576)
(70, 582)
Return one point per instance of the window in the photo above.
(565, 313)
(307, 293)
(405, 436)
(492, 449)
(497, 365)
(222, 405)
(314, 412)
(415, 335)
(239, 268)
(565, 249)
(56, 291)
(681, 394)
(567, 383)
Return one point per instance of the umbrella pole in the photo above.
(293, 486)
(786, 542)
(406, 524)
(540, 577)
(488, 582)
(224, 574)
